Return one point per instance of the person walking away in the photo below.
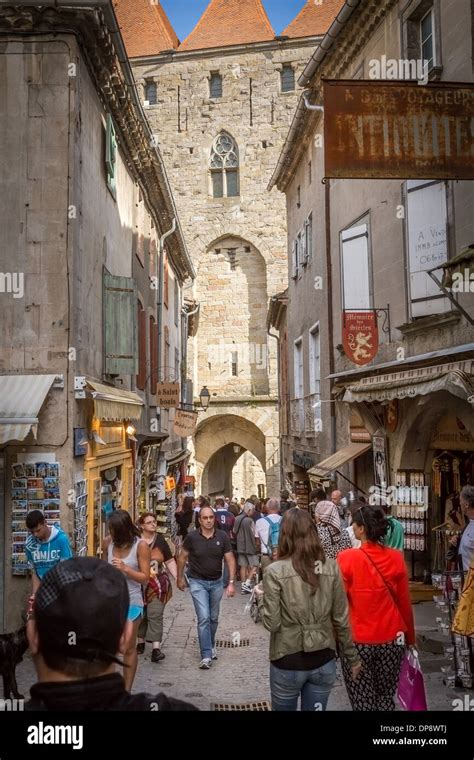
(244, 530)
(381, 614)
(305, 609)
(328, 525)
(91, 598)
(45, 546)
(205, 549)
(285, 503)
(126, 551)
(184, 518)
(264, 529)
(225, 521)
(159, 589)
(336, 498)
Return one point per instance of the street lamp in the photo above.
(205, 398)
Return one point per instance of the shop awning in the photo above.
(337, 460)
(114, 404)
(175, 457)
(21, 398)
(456, 378)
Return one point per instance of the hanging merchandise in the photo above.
(170, 484)
(436, 480)
(451, 621)
(456, 476)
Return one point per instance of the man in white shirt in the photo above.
(262, 529)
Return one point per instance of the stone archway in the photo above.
(215, 439)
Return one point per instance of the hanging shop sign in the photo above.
(398, 130)
(185, 423)
(301, 490)
(452, 433)
(391, 415)
(167, 395)
(360, 336)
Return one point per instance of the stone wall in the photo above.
(238, 244)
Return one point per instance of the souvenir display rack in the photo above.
(80, 519)
(458, 649)
(410, 506)
(34, 485)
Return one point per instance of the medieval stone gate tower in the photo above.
(221, 103)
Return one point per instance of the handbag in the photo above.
(463, 622)
(411, 686)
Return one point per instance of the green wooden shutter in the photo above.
(120, 325)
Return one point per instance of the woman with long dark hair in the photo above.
(184, 516)
(126, 551)
(376, 582)
(305, 610)
(159, 590)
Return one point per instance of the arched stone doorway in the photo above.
(232, 449)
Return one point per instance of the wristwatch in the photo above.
(231, 581)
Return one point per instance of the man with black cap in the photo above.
(76, 631)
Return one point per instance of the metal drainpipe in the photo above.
(309, 106)
(277, 338)
(159, 303)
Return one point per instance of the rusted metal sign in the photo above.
(398, 130)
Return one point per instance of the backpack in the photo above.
(273, 536)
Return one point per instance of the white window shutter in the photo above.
(355, 268)
(294, 262)
(303, 246)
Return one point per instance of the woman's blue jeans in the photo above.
(314, 686)
(206, 597)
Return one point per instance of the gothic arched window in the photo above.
(225, 167)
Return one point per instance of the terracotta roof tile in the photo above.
(230, 22)
(314, 18)
(145, 27)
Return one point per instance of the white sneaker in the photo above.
(246, 588)
(214, 654)
(205, 663)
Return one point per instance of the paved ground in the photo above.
(241, 673)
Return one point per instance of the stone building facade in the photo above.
(416, 394)
(222, 103)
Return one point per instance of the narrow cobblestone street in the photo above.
(240, 675)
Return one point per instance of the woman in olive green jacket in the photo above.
(305, 609)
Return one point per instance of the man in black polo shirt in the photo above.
(203, 550)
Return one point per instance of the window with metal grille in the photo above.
(215, 85)
(287, 78)
(224, 167)
(150, 92)
(234, 364)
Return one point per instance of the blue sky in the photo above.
(184, 14)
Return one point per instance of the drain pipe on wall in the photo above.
(330, 316)
(159, 303)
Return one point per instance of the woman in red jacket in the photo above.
(381, 614)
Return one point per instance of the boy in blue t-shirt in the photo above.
(45, 546)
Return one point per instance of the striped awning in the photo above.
(114, 404)
(21, 398)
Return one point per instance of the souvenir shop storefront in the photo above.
(422, 427)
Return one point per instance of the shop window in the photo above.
(215, 85)
(141, 377)
(287, 78)
(153, 355)
(427, 238)
(355, 268)
(120, 325)
(224, 166)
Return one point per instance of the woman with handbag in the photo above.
(305, 610)
(381, 614)
(158, 591)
